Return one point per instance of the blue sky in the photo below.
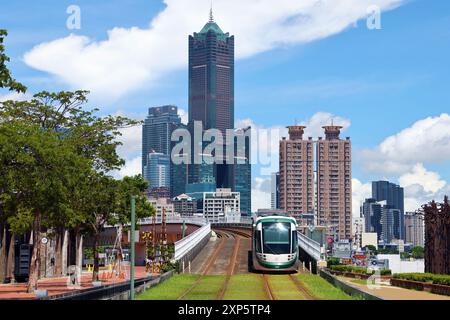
(381, 81)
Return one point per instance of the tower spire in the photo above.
(211, 17)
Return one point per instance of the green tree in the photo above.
(418, 252)
(6, 79)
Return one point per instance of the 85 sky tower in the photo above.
(211, 101)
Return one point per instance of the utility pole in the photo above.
(133, 227)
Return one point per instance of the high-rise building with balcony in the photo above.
(334, 183)
(415, 229)
(296, 181)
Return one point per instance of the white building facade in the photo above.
(221, 204)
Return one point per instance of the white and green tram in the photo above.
(274, 244)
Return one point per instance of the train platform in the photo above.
(59, 285)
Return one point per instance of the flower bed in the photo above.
(439, 284)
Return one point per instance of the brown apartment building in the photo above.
(334, 183)
(297, 174)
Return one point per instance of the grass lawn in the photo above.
(170, 289)
(321, 289)
(207, 289)
(245, 287)
(283, 288)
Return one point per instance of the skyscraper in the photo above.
(211, 102)
(157, 170)
(334, 183)
(393, 194)
(415, 229)
(297, 174)
(156, 137)
(372, 211)
(275, 190)
(211, 77)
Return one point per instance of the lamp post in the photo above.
(133, 227)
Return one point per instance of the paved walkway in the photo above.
(58, 285)
(388, 292)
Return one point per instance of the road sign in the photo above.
(44, 240)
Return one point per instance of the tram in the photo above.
(274, 244)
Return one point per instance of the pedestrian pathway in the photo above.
(56, 286)
(388, 292)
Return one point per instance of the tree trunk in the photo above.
(10, 261)
(119, 255)
(36, 255)
(65, 245)
(79, 250)
(96, 259)
(3, 254)
(58, 252)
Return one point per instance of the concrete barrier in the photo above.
(119, 291)
(346, 287)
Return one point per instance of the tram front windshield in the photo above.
(276, 237)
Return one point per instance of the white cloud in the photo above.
(184, 115)
(260, 193)
(132, 58)
(430, 181)
(360, 192)
(318, 120)
(15, 96)
(426, 141)
(132, 167)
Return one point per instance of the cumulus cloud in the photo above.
(428, 180)
(133, 57)
(318, 120)
(360, 192)
(15, 96)
(132, 167)
(260, 193)
(426, 141)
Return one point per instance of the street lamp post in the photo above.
(133, 227)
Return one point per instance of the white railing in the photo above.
(186, 244)
(235, 220)
(176, 219)
(311, 247)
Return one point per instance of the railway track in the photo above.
(233, 251)
(302, 289)
(223, 236)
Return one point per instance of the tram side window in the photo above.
(258, 241)
(294, 241)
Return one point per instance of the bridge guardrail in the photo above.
(312, 247)
(185, 245)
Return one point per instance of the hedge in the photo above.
(425, 277)
(360, 270)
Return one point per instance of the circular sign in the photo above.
(44, 240)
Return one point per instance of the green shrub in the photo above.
(333, 261)
(424, 277)
(385, 272)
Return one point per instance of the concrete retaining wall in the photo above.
(347, 288)
(119, 291)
